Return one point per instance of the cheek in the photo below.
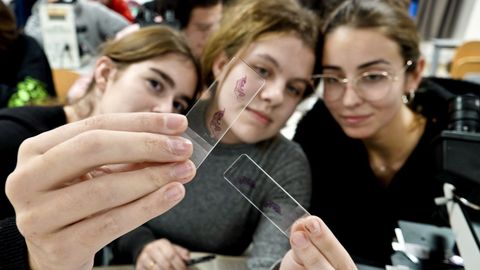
(129, 100)
(387, 110)
(334, 108)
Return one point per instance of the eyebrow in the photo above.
(164, 76)
(365, 65)
(270, 59)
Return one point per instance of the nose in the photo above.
(350, 95)
(164, 105)
(273, 92)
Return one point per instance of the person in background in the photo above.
(277, 39)
(196, 19)
(24, 66)
(151, 70)
(94, 22)
(372, 160)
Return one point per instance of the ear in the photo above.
(415, 77)
(218, 64)
(104, 68)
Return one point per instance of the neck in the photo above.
(391, 147)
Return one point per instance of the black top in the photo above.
(13, 255)
(24, 58)
(361, 211)
(16, 125)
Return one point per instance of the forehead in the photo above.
(287, 49)
(176, 66)
(353, 47)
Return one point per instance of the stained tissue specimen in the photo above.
(215, 123)
(239, 90)
(248, 182)
(272, 205)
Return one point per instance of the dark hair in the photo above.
(387, 17)
(177, 12)
(8, 27)
(184, 9)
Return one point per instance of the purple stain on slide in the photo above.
(240, 88)
(272, 205)
(215, 123)
(245, 181)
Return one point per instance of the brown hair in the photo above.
(141, 45)
(8, 27)
(246, 21)
(388, 18)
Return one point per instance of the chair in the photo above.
(63, 79)
(466, 60)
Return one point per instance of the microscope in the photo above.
(458, 160)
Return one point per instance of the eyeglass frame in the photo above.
(344, 81)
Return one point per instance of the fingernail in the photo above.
(183, 170)
(173, 194)
(299, 239)
(175, 121)
(313, 226)
(179, 146)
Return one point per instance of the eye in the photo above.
(180, 105)
(263, 72)
(296, 89)
(330, 80)
(156, 86)
(374, 77)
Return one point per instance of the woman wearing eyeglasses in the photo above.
(367, 140)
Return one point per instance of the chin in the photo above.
(358, 133)
(250, 137)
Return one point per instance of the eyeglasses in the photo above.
(371, 86)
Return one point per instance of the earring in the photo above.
(408, 98)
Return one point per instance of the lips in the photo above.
(355, 119)
(260, 116)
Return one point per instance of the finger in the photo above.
(171, 259)
(175, 260)
(95, 232)
(162, 261)
(183, 252)
(306, 254)
(164, 123)
(324, 240)
(74, 203)
(87, 151)
(143, 261)
(154, 253)
(290, 262)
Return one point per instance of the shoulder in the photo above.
(317, 124)
(34, 119)
(319, 131)
(286, 162)
(282, 148)
(30, 43)
(434, 94)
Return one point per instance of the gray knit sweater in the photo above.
(214, 217)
